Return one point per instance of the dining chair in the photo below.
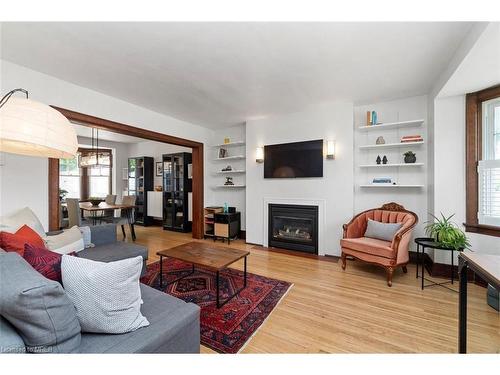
(110, 199)
(74, 214)
(125, 218)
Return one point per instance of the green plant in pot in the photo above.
(62, 194)
(447, 233)
(410, 157)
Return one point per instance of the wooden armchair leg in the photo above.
(405, 270)
(123, 231)
(390, 271)
(343, 259)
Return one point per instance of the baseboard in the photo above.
(326, 258)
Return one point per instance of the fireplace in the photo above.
(293, 227)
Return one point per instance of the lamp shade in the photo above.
(31, 128)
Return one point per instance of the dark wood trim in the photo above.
(117, 127)
(96, 122)
(198, 225)
(488, 230)
(53, 180)
(243, 235)
(473, 154)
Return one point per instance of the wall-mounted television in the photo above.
(294, 160)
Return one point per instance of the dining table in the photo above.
(103, 206)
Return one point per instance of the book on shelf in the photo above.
(382, 180)
(411, 138)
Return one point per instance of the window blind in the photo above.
(489, 192)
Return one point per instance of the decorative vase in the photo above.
(378, 160)
(384, 160)
(380, 140)
(410, 158)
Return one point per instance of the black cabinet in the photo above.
(176, 185)
(227, 225)
(140, 181)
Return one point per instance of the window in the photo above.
(99, 181)
(82, 183)
(69, 177)
(483, 161)
(489, 166)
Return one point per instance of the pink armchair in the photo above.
(383, 253)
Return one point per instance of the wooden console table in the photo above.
(485, 265)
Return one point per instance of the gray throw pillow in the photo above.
(38, 308)
(382, 231)
(107, 296)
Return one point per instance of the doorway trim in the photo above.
(96, 122)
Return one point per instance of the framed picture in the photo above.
(159, 168)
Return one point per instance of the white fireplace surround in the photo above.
(320, 203)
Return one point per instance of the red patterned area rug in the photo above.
(225, 330)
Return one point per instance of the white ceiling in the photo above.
(480, 68)
(219, 74)
(85, 131)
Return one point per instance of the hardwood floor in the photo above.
(353, 311)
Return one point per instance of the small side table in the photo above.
(227, 226)
(430, 243)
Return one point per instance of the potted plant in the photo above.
(410, 157)
(447, 233)
(62, 194)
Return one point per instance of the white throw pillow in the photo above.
(11, 223)
(107, 296)
(87, 236)
(70, 240)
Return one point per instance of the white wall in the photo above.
(478, 53)
(233, 197)
(413, 199)
(156, 151)
(449, 172)
(326, 121)
(15, 188)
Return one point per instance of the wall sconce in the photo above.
(259, 155)
(330, 150)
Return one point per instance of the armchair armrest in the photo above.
(103, 234)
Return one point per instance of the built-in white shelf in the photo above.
(237, 143)
(390, 186)
(231, 158)
(233, 171)
(389, 125)
(391, 165)
(391, 145)
(230, 186)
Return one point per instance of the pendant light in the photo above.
(94, 158)
(28, 127)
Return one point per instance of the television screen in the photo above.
(294, 160)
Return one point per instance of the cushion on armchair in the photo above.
(382, 231)
(369, 246)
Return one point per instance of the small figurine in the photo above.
(380, 141)
(229, 181)
(378, 160)
(384, 160)
(227, 169)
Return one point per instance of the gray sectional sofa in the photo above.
(174, 324)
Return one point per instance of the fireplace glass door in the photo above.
(293, 227)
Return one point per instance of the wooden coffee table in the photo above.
(206, 256)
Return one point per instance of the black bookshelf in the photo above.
(176, 186)
(140, 181)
